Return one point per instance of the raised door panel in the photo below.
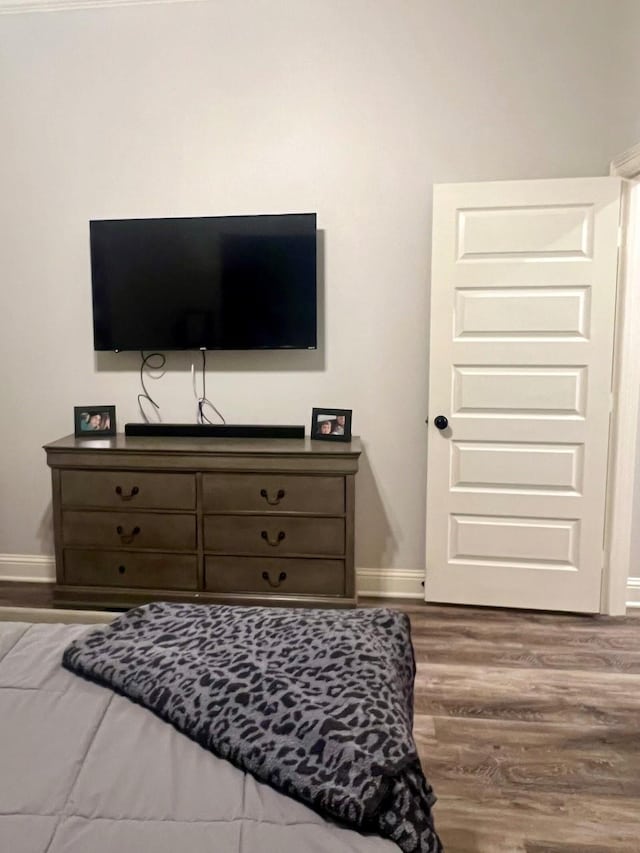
(518, 467)
(519, 391)
(524, 231)
(518, 542)
(522, 313)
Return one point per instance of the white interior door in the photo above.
(523, 298)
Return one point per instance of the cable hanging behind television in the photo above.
(204, 283)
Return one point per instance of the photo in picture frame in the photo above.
(331, 424)
(94, 421)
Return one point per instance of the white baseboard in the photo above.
(27, 567)
(633, 592)
(377, 583)
(66, 617)
(374, 583)
(390, 583)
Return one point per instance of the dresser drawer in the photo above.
(272, 576)
(128, 490)
(123, 568)
(160, 531)
(269, 536)
(272, 493)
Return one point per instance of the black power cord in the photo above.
(203, 401)
(145, 364)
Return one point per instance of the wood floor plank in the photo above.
(490, 653)
(23, 594)
(479, 828)
(541, 696)
(586, 647)
(506, 769)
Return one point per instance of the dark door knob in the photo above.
(441, 422)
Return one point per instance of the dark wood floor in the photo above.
(14, 594)
(528, 725)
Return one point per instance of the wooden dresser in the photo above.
(198, 519)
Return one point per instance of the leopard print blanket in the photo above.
(316, 703)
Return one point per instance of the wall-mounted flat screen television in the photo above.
(214, 282)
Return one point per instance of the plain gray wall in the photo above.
(351, 108)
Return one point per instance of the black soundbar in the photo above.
(215, 430)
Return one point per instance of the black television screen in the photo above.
(215, 282)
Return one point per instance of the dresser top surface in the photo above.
(121, 443)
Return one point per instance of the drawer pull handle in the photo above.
(122, 569)
(265, 494)
(281, 577)
(127, 538)
(273, 543)
(134, 491)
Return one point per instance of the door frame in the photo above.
(625, 437)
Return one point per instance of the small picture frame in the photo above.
(94, 421)
(331, 424)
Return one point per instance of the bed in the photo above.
(86, 769)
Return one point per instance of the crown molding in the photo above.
(17, 7)
(626, 165)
